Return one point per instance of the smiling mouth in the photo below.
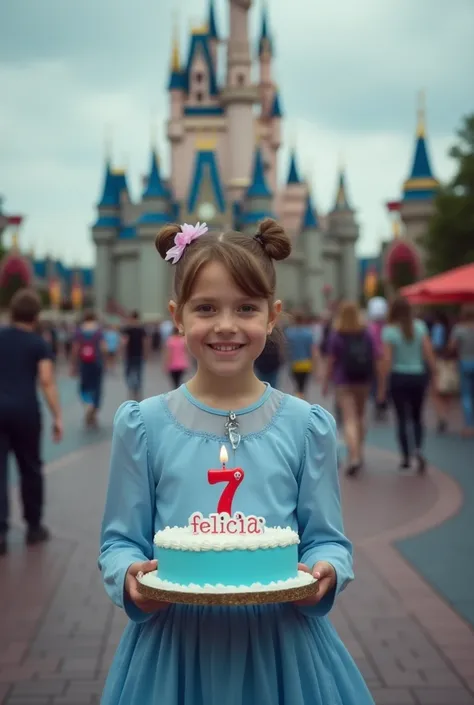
(226, 347)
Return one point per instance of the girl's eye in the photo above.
(204, 308)
(248, 308)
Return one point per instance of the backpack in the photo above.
(88, 348)
(358, 357)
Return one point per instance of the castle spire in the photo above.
(421, 126)
(213, 33)
(258, 187)
(265, 43)
(176, 81)
(293, 176)
(421, 183)
(342, 202)
(154, 187)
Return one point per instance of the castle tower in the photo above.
(238, 98)
(343, 226)
(312, 246)
(153, 280)
(104, 232)
(258, 199)
(294, 198)
(265, 54)
(176, 88)
(213, 32)
(271, 114)
(416, 206)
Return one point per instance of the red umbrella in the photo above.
(455, 286)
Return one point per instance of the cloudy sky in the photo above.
(348, 72)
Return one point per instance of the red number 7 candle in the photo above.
(233, 477)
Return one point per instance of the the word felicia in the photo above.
(225, 524)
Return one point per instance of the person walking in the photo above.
(351, 368)
(302, 353)
(136, 346)
(462, 342)
(407, 355)
(26, 361)
(270, 360)
(176, 358)
(87, 362)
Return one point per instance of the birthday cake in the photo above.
(226, 552)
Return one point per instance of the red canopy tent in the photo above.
(453, 287)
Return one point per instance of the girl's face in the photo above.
(225, 329)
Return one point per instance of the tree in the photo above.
(450, 239)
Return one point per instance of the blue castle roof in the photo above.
(421, 184)
(342, 202)
(206, 167)
(310, 218)
(258, 187)
(293, 176)
(276, 111)
(213, 33)
(177, 81)
(114, 183)
(265, 41)
(200, 43)
(110, 196)
(154, 187)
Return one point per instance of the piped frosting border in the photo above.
(181, 538)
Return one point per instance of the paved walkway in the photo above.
(59, 631)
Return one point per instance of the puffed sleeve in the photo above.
(127, 526)
(319, 507)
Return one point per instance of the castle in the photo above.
(224, 142)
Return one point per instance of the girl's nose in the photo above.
(225, 323)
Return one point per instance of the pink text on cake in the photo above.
(226, 524)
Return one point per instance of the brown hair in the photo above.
(89, 316)
(400, 313)
(348, 319)
(249, 260)
(25, 306)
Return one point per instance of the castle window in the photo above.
(199, 97)
(199, 77)
(240, 79)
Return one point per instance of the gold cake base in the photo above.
(229, 598)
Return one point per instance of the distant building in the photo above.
(224, 142)
(412, 212)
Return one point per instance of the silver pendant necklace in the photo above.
(232, 429)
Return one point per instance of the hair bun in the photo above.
(274, 239)
(165, 238)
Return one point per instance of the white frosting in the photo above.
(182, 539)
(152, 580)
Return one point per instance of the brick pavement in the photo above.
(59, 630)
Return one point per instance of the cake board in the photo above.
(300, 588)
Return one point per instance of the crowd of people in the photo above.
(227, 328)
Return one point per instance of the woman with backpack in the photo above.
(87, 361)
(407, 353)
(350, 367)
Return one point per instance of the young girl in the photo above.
(279, 654)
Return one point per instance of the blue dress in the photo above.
(189, 655)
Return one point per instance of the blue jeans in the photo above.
(134, 374)
(466, 368)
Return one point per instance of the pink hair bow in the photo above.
(185, 237)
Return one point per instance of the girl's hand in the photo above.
(325, 574)
(131, 587)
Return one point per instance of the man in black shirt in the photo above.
(136, 347)
(25, 358)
